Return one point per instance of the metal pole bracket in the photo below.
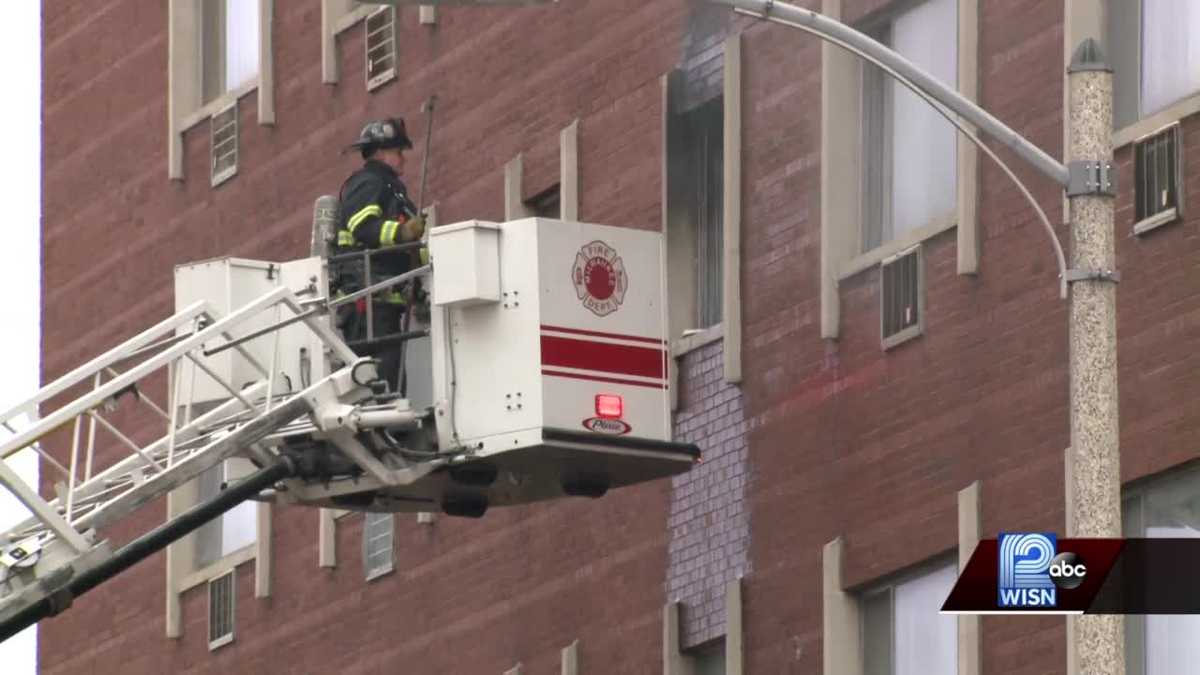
(1093, 275)
(1091, 178)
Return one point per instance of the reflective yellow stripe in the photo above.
(387, 235)
(424, 256)
(367, 212)
(394, 298)
(345, 238)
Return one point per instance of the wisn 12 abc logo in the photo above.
(1032, 570)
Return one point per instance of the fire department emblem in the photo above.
(599, 277)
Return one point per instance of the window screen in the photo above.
(378, 529)
(220, 610)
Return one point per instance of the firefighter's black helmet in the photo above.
(379, 134)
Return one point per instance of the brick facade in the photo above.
(822, 439)
(709, 522)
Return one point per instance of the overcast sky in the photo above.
(20, 176)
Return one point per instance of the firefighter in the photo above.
(375, 213)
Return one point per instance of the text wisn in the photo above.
(1032, 570)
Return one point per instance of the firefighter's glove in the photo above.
(412, 229)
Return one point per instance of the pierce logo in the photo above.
(599, 278)
(603, 425)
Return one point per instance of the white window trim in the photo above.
(218, 567)
(219, 104)
(568, 163)
(676, 661)
(970, 527)
(730, 328)
(182, 575)
(841, 614)
(334, 23)
(1086, 19)
(874, 257)
(1173, 113)
(378, 81)
(570, 659)
(697, 338)
(515, 207)
(184, 109)
(841, 255)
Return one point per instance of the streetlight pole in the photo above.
(1093, 489)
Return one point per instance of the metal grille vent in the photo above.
(1157, 168)
(901, 293)
(224, 144)
(381, 47)
(220, 610)
(377, 544)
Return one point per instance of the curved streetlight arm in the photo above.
(1059, 257)
(825, 27)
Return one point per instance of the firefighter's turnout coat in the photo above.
(374, 206)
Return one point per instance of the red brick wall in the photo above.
(468, 596)
(842, 438)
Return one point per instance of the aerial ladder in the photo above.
(540, 372)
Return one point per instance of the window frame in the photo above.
(381, 79)
(681, 246)
(234, 137)
(888, 586)
(1179, 176)
(183, 573)
(229, 577)
(538, 205)
(1142, 124)
(880, 27)
(372, 573)
(337, 17)
(917, 329)
(841, 170)
(1133, 500)
(185, 77)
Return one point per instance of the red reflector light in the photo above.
(609, 406)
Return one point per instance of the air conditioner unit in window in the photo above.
(1157, 170)
(224, 141)
(902, 297)
(381, 47)
(220, 610)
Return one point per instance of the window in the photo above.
(910, 156)
(547, 204)
(901, 297)
(893, 171)
(220, 610)
(902, 632)
(233, 531)
(695, 175)
(228, 45)
(377, 544)
(1155, 54)
(1157, 170)
(381, 47)
(219, 51)
(708, 659)
(1161, 644)
(224, 143)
